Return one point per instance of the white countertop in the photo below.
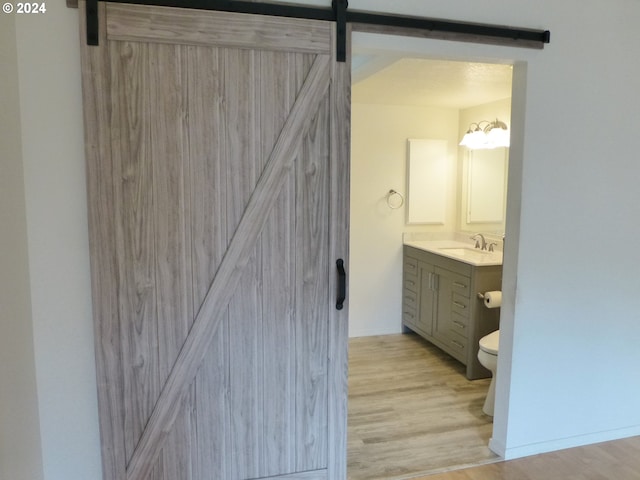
(461, 251)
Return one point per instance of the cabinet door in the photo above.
(428, 298)
(452, 314)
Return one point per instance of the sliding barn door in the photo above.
(217, 164)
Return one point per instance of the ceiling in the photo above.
(425, 82)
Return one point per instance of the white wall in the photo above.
(378, 164)
(571, 227)
(575, 289)
(53, 162)
(20, 452)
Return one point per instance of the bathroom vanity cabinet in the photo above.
(441, 304)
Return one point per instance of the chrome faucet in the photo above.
(481, 246)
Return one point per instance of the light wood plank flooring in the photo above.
(411, 410)
(619, 460)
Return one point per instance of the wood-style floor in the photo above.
(412, 410)
(617, 460)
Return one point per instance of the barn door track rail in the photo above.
(362, 21)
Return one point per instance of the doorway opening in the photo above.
(411, 409)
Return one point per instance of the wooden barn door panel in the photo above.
(217, 164)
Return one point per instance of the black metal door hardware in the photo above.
(365, 21)
(342, 284)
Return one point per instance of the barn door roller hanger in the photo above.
(364, 21)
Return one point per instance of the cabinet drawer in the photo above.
(409, 306)
(453, 328)
(460, 305)
(460, 284)
(458, 348)
(411, 283)
(410, 299)
(410, 266)
(409, 316)
(458, 325)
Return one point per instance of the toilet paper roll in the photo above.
(493, 299)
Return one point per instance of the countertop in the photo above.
(461, 251)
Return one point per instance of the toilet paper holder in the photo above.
(491, 299)
(481, 296)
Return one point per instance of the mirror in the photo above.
(484, 190)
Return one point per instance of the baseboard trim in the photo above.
(497, 447)
(373, 333)
(510, 453)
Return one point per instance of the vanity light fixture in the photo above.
(485, 135)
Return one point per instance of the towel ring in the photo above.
(395, 200)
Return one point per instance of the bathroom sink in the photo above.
(473, 255)
(465, 251)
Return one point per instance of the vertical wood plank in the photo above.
(168, 145)
(312, 218)
(278, 92)
(211, 407)
(242, 102)
(96, 93)
(339, 248)
(135, 251)
(245, 354)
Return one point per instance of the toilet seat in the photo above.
(489, 343)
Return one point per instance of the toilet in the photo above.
(488, 358)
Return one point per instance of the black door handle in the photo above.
(342, 284)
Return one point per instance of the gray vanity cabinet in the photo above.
(419, 296)
(440, 303)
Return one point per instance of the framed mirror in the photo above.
(486, 188)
